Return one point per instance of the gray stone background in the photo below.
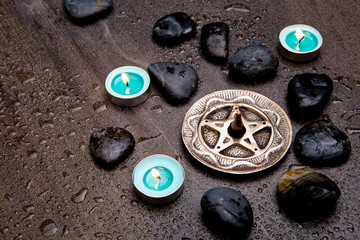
(52, 96)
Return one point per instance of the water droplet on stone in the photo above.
(80, 196)
(48, 227)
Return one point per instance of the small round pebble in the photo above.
(227, 211)
(215, 41)
(253, 62)
(321, 143)
(308, 93)
(174, 28)
(111, 146)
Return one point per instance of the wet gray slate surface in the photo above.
(52, 97)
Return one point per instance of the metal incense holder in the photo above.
(264, 131)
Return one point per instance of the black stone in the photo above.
(83, 9)
(253, 62)
(215, 41)
(227, 211)
(321, 143)
(111, 146)
(177, 81)
(174, 28)
(308, 93)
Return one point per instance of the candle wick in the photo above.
(301, 39)
(127, 84)
(298, 45)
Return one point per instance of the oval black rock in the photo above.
(305, 194)
(215, 41)
(111, 146)
(308, 93)
(174, 28)
(83, 9)
(321, 143)
(177, 81)
(227, 211)
(253, 62)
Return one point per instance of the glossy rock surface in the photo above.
(322, 143)
(308, 93)
(82, 9)
(227, 210)
(253, 62)
(111, 146)
(174, 28)
(306, 193)
(177, 81)
(215, 41)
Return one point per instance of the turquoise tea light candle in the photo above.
(158, 179)
(300, 43)
(128, 86)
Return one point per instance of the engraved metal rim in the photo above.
(281, 122)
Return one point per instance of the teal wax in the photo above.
(309, 43)
(136, 84)
(165, 180)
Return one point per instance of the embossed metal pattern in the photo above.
(266, 140)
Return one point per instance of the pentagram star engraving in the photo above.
(247, 141)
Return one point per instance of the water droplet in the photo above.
(4, 230)
(260, 190)
(257, 18)
(28, 208)
(92, 210)
(237, 7)
(80, 196)
(8, 196)
(65, 231)
(157, 108)
(134, 203)
(99, 106)
(99, 199)
(48, 227)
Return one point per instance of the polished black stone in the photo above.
(111, 146)
(305, 194)
(253, 62)
(227, 211)
(177, 81)
(308, 93)
(174, 28)
(215, 41)
(82, 9)
(322, 143)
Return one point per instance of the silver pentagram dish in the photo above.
(266, 140)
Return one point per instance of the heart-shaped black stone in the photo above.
(308, 93)
(177, 81)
